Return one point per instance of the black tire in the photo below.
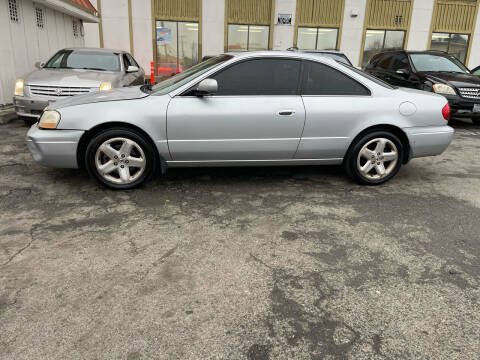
(476, 120)
(119, 132)
(350, 162)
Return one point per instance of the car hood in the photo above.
(71, 77)
(126, 93)
(455, 79)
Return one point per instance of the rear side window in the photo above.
(259, 77)
(320, 79)
(400, 61)
(385, 62)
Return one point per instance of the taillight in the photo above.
(446, 112)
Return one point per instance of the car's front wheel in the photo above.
(120, 158)
(374, 158)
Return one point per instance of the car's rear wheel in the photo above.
(120, 158)
(374, 158)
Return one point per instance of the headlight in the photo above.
(19, 87)
(105, 86)
(444, 89)
(49, 119)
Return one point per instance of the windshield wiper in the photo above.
(91, 68)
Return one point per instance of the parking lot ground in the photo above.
(242, 263)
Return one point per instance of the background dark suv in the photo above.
(431, 71)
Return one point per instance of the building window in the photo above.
(75, 28)
(381, 40)
(177, 46)
(310, 38)
(247, 37)
(13, 10)
(40, 18)
(454, 44)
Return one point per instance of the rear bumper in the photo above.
(428, 140)
(54, 148)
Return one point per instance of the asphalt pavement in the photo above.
(241, 263)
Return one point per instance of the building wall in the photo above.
(420, 24)
(92, 31)
(23, 43)
(116, 29)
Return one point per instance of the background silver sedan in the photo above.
(258, 108)
(74, 71)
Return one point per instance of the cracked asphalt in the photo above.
(242, 263)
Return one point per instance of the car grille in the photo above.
(470, 93)
(58, 90)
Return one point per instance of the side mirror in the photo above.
(206, 87)
(39, 64)
(132, 69)
(403, 72)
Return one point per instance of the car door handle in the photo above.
(286, 112)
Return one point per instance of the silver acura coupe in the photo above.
(244, 109)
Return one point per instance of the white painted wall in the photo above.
(420, 25)
(116, 34)
(213, 27)
(92, 35)
(352, 30)
(23, 43)
(283, 34)
(142, 33)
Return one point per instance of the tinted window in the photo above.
(400, 61)
(132, 60)
(385, 62)
(259, 77)
(126, 62)
(320, 79)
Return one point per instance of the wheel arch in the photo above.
(385, 127)
(89, 134)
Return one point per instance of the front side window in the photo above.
(88, 60)
(381, 40)
(437, 63)
(247, 37)
(310, 38)
(177, 47)
(174, 82)
(454, 44)
(259, 77)
(400, 62)
(321, 79)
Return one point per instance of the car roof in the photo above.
(281, 53)
(101, 50)
(437, 52)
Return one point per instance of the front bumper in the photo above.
(461, 107)
(54, 148)
(29, 106)
(428, 140)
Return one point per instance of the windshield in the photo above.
(186, 76)
(369, 77)
(89, 60)
(437, 63)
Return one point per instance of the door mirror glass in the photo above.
(39, 64)
(206, 87)
(403, 72)
(132, 69)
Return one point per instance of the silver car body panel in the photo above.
(45, 85)
(249, 130)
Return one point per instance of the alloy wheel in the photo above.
(120, 160)
(377, 158)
